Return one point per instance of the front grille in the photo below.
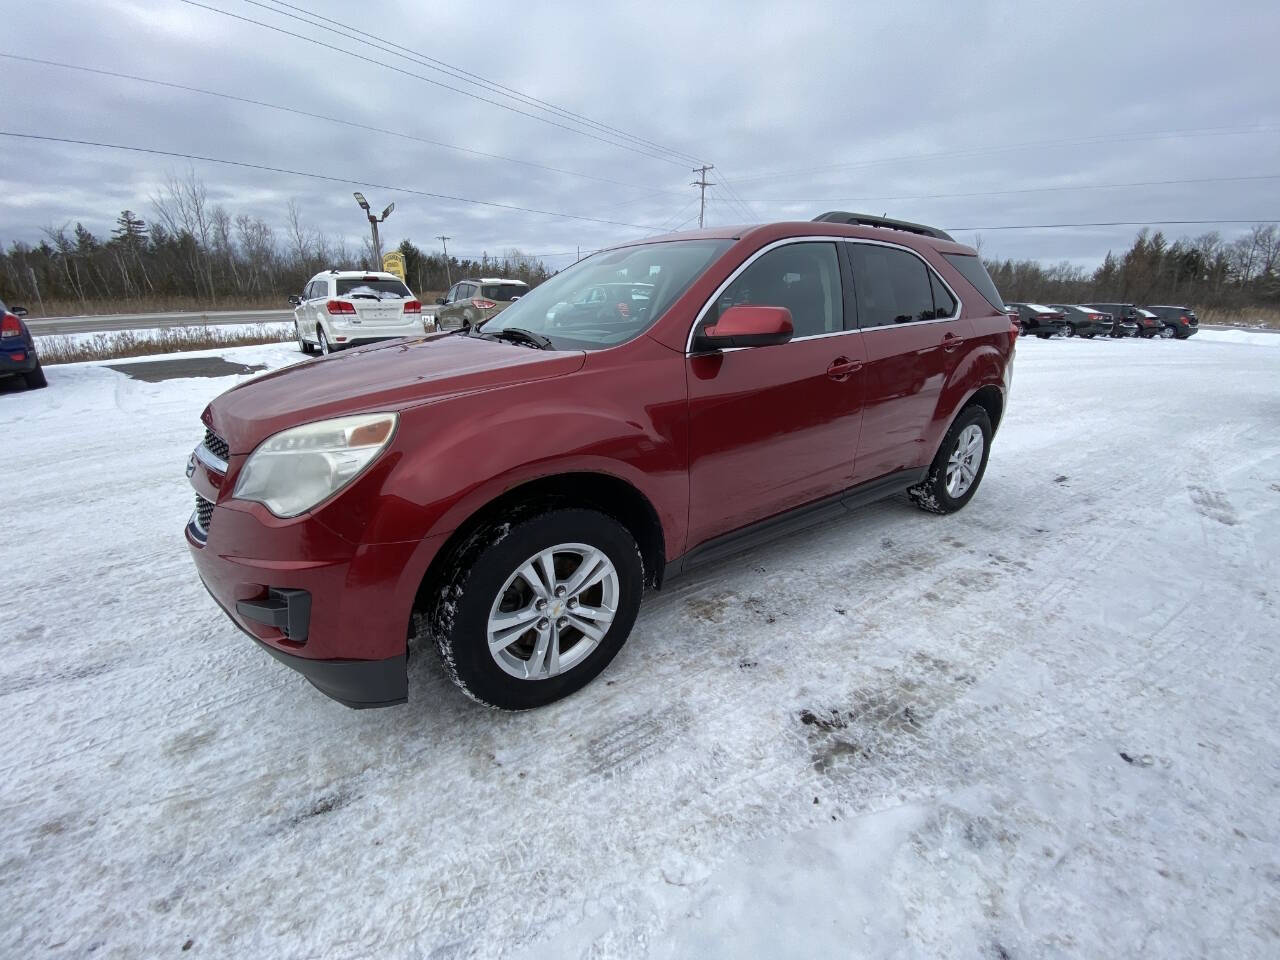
(204, 514)
(216, 445)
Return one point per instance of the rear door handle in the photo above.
(951, 342)
(842, 367)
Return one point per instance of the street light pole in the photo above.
(373, 225)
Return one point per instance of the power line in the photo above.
(329, 119)
(466, 76)
(321, 176)
(999, 193)
(953, 154)
(418, 76)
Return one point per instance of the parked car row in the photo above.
(1091, 320)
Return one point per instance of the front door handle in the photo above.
(842, 367)
(951, 342)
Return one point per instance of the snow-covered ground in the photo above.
(1046, 726)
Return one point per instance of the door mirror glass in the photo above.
(18, 311)
(295, 300)
(441, 301)
(748, 326)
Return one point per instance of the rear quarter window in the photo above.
(971, 269)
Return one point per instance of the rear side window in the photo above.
(503, 292)
(359, 288)
(971, 269)
(803, 277)
(892, 286)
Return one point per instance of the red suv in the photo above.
(510, 491)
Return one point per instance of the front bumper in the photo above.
(359, 684)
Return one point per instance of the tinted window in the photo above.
(610, 297)
(503, 292)
(371, 288)
(803, 277)
(944, 304)
(971, 269)
(892, 286)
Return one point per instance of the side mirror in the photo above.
(18, 311)
(441, 301)
(745, 326)
(295, 300)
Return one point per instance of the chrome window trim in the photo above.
(702, 313)
(206, 456)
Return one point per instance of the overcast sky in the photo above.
(801, 107)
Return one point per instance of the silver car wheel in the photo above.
(324, 342)
(1168, 333)
(962, 465)
(553, 611)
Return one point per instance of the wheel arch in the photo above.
(609, 494)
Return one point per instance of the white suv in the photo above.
(339, 308)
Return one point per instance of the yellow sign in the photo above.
(393, 262)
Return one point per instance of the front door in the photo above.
(771, 428)
(914, 338)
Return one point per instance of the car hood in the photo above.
(387, 376)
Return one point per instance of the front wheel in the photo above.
(530, 612)
(958, 468)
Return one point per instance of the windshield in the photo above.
(372, 289)
(611, 297)
(503, 292)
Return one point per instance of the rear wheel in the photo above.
(1068, 330)
(958, 468)
(1168, 333)
(325, 349)
(530, 612)
(35, 379)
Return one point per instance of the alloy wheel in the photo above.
(1167, 333)
(966, 457)
(553, 611)
(324, 342)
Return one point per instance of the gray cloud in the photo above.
(753, 88)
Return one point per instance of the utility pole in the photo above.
(702, 183)
(448, 276)
(373, 225)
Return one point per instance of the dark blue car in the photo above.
(18, 349)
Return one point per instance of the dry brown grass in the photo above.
(1246, 317)
(130, 343)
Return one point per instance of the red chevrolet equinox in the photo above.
(508, 492)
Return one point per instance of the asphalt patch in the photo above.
(157, 371)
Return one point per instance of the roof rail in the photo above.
(867, 220)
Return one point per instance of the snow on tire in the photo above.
(958, 468)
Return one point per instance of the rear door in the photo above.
(771, 428)
(914, 338)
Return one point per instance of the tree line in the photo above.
(193, 251)
(1205, 272)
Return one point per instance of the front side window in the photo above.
(892, 286)
(610, 297)
(803, 277)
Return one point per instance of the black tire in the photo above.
(931, 493)
(1044, 336)
(303, 344)
(459, 616)
(35, 379)
(322, 339)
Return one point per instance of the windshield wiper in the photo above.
(520, 335)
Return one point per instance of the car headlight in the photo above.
(297, 468)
